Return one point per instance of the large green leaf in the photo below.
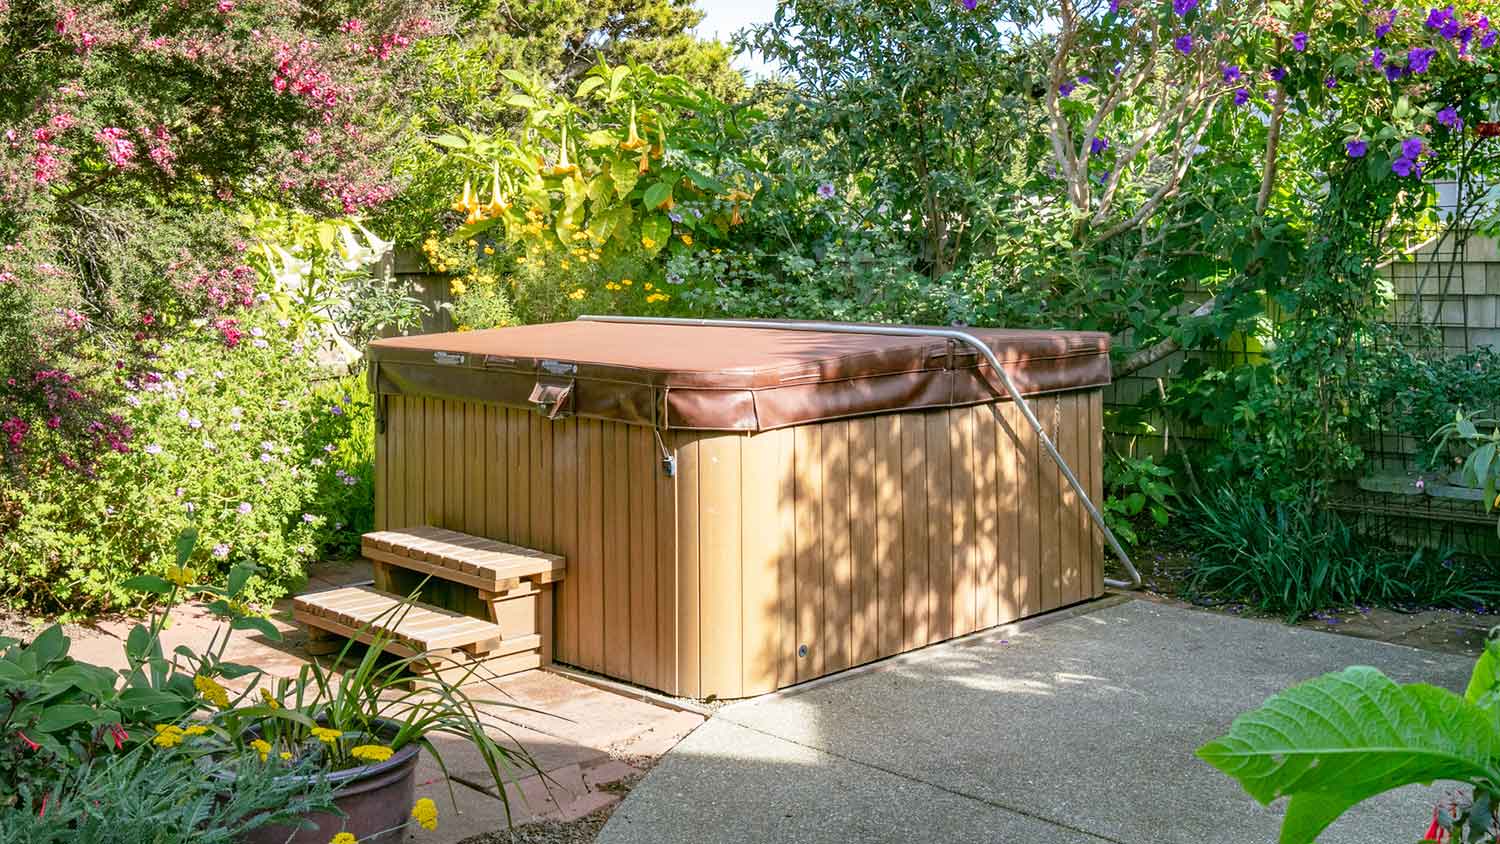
(1342, 738)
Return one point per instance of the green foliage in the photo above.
(1293, 558)
(1480, 468)
(1136, 487)
(554, 42)
(234, 439)
(162, 797)
(1426, 394)
(1335, 741)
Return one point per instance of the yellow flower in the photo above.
(180, 575)
(565, 265)
(523, 259)
(286, 756)
(167, 735)
(577, 295)
(627, 282)
(327, 735)
(465, 328)
(262, 747)
(425, 813)
(457, 287)
(344, 838)
(649, 286)
(657, 297)
(489, 250)
(268, 698)
(211, 691)
(473, 243)
(371, 753)
(648, 243)
(195, 730)
(687, 240)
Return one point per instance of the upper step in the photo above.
(409, 627)
(462, 558)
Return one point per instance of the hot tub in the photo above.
(742, 509)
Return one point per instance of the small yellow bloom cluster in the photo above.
(433, 249)
(180, 575)
(657, 297)
(687, 240)
(577, 295)
(196, 730)
(211, 691)
(371, 753)
(262, 747)
(269, 699)
(425, 813)
(344, 838)
(167, 735)
(648, 242)
(457, 287)
(327, 735)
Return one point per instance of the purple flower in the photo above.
(971, 4)
(1449, 30)
(221, 551)
(1356, 149)
(1449, 117)
(1065, 89)
(1384, 29)
(1393, 71)
(1241, 96)
(1419, 58)
(153, 448)
(1084, 80)
(1231, 72)
(1182, 7)
(1114, 7)
(1098, 145)
(1377, 57)
(1278, 73)
(826, 190)
(1184, 44)
(308, 517)
(1437, 17)
(1488, 40)
(1411, 148)
(1299, 42)
(336, 410)
(1331, 82)
(244, 508)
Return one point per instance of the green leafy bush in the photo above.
(1292, 559)
(230, 436)
(1336, 741)
(1134, 488)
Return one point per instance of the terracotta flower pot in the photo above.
(374, 798)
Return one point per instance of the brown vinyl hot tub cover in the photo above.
(721, 378)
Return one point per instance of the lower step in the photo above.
(407, 628)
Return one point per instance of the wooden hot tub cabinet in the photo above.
(784, 546)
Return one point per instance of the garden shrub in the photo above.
(1293, 558)
(231, 435)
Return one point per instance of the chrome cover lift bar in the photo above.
(943, 333)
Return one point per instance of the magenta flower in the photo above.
(1356, 149)
(1184, 44)
(1299, 42)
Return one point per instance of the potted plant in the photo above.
(353, 731)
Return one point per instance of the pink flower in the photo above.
(119, 149)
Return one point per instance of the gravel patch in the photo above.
(581, 831)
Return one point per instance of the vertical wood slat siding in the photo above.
(857, 538)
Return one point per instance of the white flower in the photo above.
(184, 415)
(265, 458)
(153, 449)
(244, 508)
(260, 344)
(257, 331)
(291, 273)
(235, 427)
(236, 411)
(221, 551)
(208, 445)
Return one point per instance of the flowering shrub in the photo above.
(127, 136)
(584, 207)
(228, 434)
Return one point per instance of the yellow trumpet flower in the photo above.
(497, 205)
(563, 167)
(634, 141)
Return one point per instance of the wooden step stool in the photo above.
(485, 601)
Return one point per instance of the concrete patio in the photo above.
(1077, 730)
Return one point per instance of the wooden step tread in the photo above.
(360, 612)
(474, 560)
